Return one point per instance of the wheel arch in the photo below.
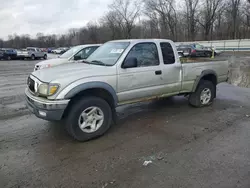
(209, 75)
(97, 89)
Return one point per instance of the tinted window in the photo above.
(198, 46)
(71, 52)
(31, 49)
(167, 53)
(145, 53)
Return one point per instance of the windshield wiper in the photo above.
(94, 62)
(84, 61)
(98, 62)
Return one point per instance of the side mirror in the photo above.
(77, 58)
(130, 63)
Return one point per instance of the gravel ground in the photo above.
(188, 147)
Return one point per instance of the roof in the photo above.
(141, 40)
(88, 45)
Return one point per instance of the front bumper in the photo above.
(44, 108)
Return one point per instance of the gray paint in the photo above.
(92, 85)
(204, 73)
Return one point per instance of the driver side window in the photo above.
(145, 53)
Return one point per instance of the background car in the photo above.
(194, 50)
(31, 53)
(216, 52)
(8, 53)
(74, 54)
(49, 50)
(59, 50)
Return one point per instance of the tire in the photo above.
(74, 118)
(208, 54)
(201, 97)
(8, 58)
(33, 57)
(45, 56)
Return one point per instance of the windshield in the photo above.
(71, 52)
(109, 53)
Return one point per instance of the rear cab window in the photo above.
(167, 53)
(31, 49)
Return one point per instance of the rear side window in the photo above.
(167, 53)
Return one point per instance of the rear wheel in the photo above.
(45, 56)
(88, 118)
(204, 94)
(33, 57)
(9, 58)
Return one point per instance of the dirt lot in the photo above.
(188, 147)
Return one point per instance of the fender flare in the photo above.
(92, 85)
(203, 73)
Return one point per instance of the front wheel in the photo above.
(45, 56)
(9, 58)
(88, 118)
(203, 95)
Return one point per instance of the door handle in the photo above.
(158, 72)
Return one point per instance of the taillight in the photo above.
(193, 51)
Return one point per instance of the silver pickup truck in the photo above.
(85, 95)
(31, 53)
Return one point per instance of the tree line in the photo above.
(185, 20)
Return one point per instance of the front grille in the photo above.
(31, 84)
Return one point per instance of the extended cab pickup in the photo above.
(85, 94)
(31, 53)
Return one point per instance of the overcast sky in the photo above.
(47, 16)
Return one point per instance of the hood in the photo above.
(73, 71)
(52, 62)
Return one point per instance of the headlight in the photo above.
(43, 89)
(47, 89)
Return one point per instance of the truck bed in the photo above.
(192, 71)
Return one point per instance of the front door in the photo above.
(39, 52)
(143, 81)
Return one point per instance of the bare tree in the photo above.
(208, 14)
(246, 14)
(129, 12)
(114, 21)
(195, 21)
(191, 16)
(165, 11)
(233, 10)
